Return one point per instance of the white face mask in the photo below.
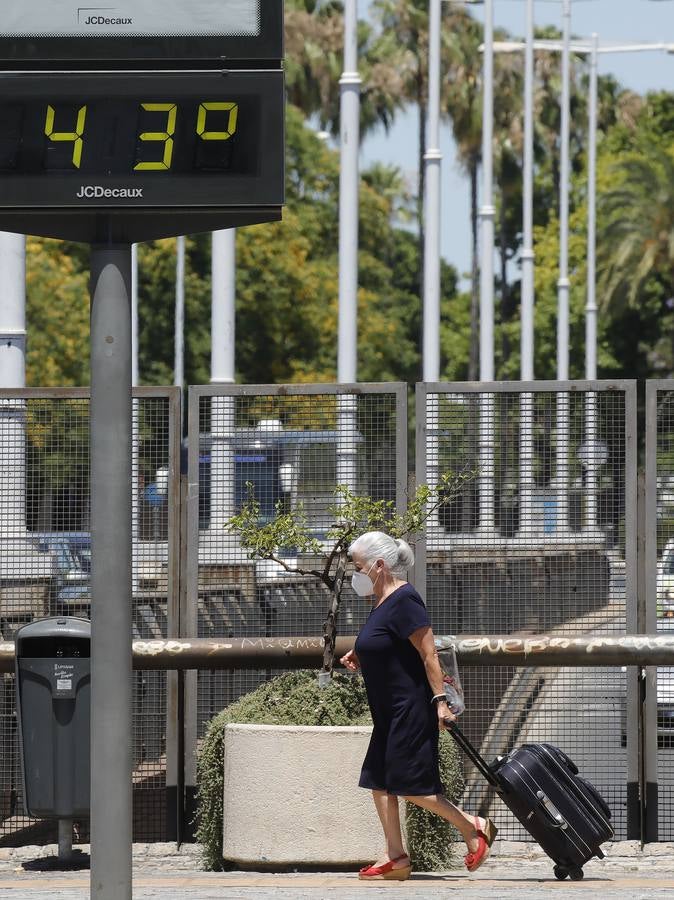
(362, 583)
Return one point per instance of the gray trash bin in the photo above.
(53, 700)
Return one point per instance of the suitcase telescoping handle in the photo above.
(483, 768)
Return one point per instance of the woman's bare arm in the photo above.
(423, 640)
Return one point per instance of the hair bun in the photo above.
(405, 554)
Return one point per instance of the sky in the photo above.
(613, 20)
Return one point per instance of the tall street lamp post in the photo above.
(347, 350)
(487, 213)
(527, 305)
(223, 371)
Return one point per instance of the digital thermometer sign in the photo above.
(55, 31)
(158, 140)
(136, 18)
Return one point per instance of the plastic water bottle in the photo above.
(454, 694)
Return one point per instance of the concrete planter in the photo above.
(291, 796)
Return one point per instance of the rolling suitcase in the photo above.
(562, 811)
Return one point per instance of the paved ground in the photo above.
(514, 871)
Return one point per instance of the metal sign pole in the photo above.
(111, 619)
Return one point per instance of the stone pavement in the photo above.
(514, 871)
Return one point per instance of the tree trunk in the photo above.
(474, 353)
(330, 624)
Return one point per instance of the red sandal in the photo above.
(485, 837)
(386, 872)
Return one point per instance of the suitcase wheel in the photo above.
(576, 874)
(560, 873)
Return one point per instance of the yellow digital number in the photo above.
(166, 137)
(74, 136)
(205, 108)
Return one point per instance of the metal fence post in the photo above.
(173, 723)
(189, 614)
(648, 615)
(634, 569)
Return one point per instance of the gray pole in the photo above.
(347, 350)
(223, 371)
(348, 200)
(223, 307)
(134, 314)
(487, 212)
(527, 342)
(432, 214)
(65, 837)
(432, 165)
(12, 310)
(563, 282)
(591, 304)
(13, 375)
(562, 449)
(527, 310)
(179, 365)
(111, 620)
(135, 485)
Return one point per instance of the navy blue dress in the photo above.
(403, 754)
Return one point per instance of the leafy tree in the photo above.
(353, 515)
(314, 46)
(57, 314)
(637, 230)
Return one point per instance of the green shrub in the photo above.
(295, 699)
(430, 839)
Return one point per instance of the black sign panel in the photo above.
(51, 32)
(113, 140)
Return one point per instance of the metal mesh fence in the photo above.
(661, 577)
(289, 448)
(45, 567)
(534, 543)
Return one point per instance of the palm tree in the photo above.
(636, 232)
(314, 53)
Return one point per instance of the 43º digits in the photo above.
(215, 121)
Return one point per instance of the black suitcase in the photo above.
(562, 811)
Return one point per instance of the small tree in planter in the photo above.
(354, 515)
(295, 698)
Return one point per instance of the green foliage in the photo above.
(430, 839)
(354, 514)
(295, 699)
(638, 225)
(57, 313)
(262, 541)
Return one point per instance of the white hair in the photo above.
(396, 553)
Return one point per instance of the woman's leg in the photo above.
(462, 821)
(389, 816)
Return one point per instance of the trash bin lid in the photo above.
(43, 637)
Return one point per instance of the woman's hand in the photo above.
(350, 661)
(444, 712)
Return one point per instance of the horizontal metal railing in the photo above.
(471, 650)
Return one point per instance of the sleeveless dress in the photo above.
(403, 754)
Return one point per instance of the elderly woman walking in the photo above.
(395, 652)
